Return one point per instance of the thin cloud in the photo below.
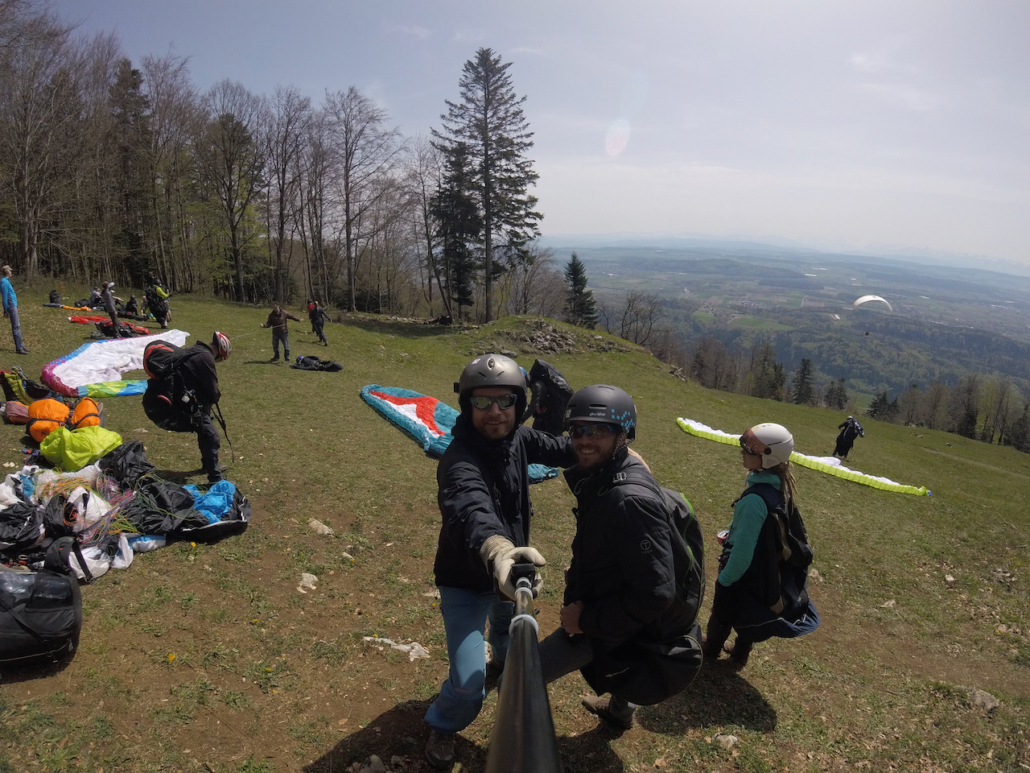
(415, 31)
(893, 82)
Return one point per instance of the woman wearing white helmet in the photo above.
(755, 593)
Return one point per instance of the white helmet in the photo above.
(773, 442)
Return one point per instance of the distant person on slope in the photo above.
(11, 309)
(757, 593)
(850, 430)
(277, 321)
(157, 300)
(318, 319)
(107, 296)
(483, 494)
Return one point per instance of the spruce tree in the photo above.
(458, 226)
(489, 120)
(129, 139)
(803, 392)
(837, 395)
(580, 306)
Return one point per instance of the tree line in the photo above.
(982, 408)
(111, 169)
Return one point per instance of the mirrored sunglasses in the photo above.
(592, 430)
(504, 402)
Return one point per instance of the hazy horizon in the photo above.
(849, 126)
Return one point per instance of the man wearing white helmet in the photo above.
(483, 494)
(749, 593)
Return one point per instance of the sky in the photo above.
(864, 125)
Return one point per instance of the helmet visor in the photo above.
(752, 445)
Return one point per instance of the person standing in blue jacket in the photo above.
(483, 494)
(11, 309)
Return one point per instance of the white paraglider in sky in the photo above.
(868, 299)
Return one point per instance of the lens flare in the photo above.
(618, 137)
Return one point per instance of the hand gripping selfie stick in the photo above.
(523, 737)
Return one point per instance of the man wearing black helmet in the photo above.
(483, 493)
(622, 594)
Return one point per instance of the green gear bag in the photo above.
(71, 450)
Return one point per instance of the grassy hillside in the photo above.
(208, 658)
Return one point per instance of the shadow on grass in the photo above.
(399, 732)
(718, 696)
(182, 477)
(591, 752)
(10, 674)
(261, 362)
(402, 732)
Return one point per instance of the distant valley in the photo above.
(946, 320)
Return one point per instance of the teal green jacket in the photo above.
(749, 515)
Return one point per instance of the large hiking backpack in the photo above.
(793, 554)
(688, 543)
(648, 672)
(550, 395)
(41, 612)
(166, 401)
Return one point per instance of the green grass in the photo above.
(266, 678)
(757, 323)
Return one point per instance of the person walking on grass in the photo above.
(11, 309)
(483, 494)
(850, 431)
(318, 319)
(277, 321)
(107, 296)
(629, 619)
(757, 593)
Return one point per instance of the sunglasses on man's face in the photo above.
(592, 430)
(504, 402)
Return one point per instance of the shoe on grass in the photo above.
(601, 706)
(440, 750)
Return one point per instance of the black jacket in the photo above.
(199, 374)
(483, 490)
(622, 558)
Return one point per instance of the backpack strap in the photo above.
(776, 504)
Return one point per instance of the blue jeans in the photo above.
(465, 614)
(15, 327)
(276, 338)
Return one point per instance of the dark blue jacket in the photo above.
(483, 490)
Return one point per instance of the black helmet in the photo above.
(603, 404)
(492, 370)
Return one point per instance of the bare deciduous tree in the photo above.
(366, 152)
(231, 158)
(288, 116)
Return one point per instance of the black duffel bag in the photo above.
(40, 612)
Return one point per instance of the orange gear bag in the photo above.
(45, 416)
(88, 413)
